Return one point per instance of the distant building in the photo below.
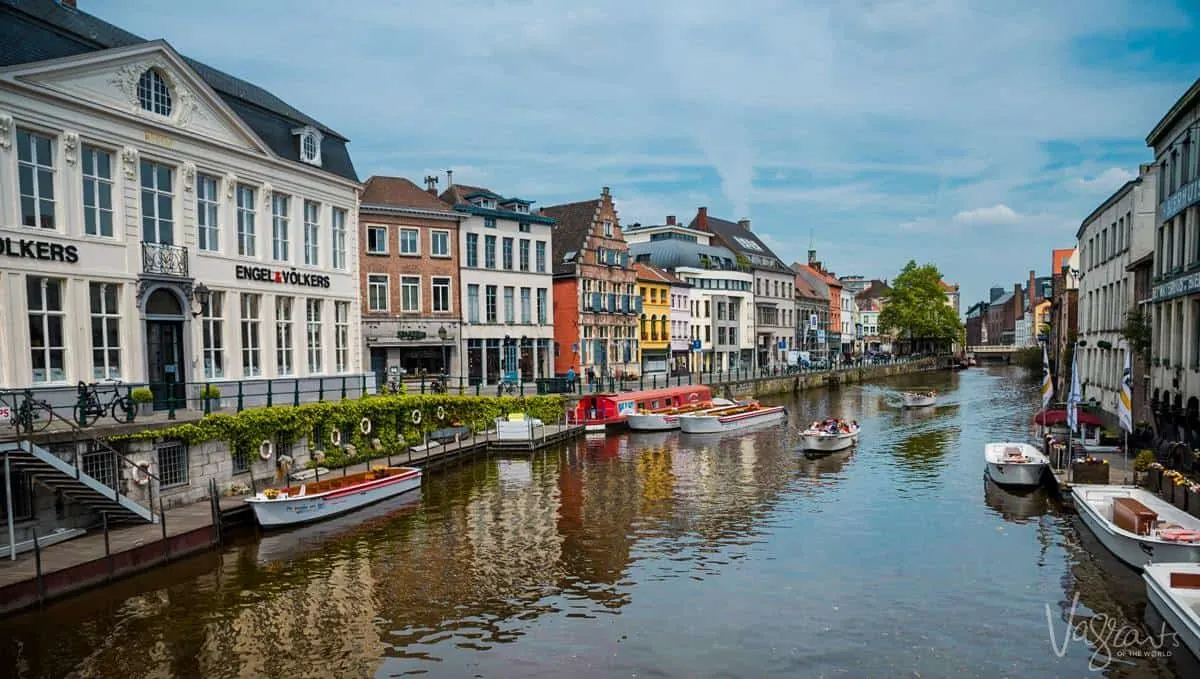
(812, 312)
(655, 325)
(869, 303)
(1064, 315)
(833, 337)
(975, 326)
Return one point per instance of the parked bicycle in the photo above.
(506, 388)
(90, 408)
(437, 386)
(32, 415)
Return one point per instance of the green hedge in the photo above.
(391, 419)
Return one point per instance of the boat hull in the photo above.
(1177, 614)
(295, 511)
(829, 444)
(1027, 474)
(915, 401)
(652, 422)
(1134, 550)
(715, 424)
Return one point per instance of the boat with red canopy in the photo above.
(599, 412)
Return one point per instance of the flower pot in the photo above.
(1081, 472)
(1180, 499)
(1167, 490)
(1193, 503)
(146, 408)
(1152, 480)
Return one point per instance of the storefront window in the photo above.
(213, 329)
(316, 361)
(283, 336)
(106, 334)
(474, 362)
(46, 338)
(251, 361)
(493, 361)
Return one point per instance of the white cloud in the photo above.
(1105, 182)
(996, 214)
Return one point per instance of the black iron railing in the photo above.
(164, 258)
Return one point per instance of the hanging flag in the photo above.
(1076, 395)
(1047, 383)
(1125, 403)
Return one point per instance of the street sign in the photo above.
(820, 335)
(696, 345)
(812, 321)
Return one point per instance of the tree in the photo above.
(918, 307)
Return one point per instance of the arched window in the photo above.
(153, 94)
(654, 328)
(645, 334)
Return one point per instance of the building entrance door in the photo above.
(164, 348)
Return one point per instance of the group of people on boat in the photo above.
(929, 394)
(835, 426)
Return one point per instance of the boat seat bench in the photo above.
(1185, 580)
(1133, 516)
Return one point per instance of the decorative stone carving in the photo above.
(70, 144)
(230, 184)
(189, 176)
(126, 80)
(184, 102)
(187, 104)
(129, 158)
(6, 128)
(268, 194)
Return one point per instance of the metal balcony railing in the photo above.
(164, 258)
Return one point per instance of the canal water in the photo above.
(654, 555)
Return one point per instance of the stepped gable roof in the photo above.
(572, 222)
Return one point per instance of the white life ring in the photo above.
(441, 413)
(693, 397)
(265, 449)
(335, 436)
(364, 425)
(416, 416)
(142, 475)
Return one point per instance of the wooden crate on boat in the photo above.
(1133, 516)
(1185, 580)
(1081, 472)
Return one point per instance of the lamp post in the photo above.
(442, 335)
(200, 294)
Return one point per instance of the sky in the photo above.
(974, 136)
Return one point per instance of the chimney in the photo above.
(604, 191)
(1032, 288)
(702, 218)
(812, 258)
(431, 184)
(449, 178)
(744, 223)
(670, 220)
(1018, 301)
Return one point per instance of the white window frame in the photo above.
(251, 318)
(91, 185)
(523, 254)
(281, 208)
(107, 319)
(506, 253)
(543, 297)
(491, 315)
(416, 242)
(208, 210)
(161, 224)
(285, 337)
(406, 283)
(526, 305)
(154, 93)
(377, 228)
(540, 256)
(510, 304)
(212, 335)
(442, 285)
(473, 303)
(374, 282)
(43, 315)
(36, 166)
(489, 252)
(442, 235)
(314, 311)
(341, 337)
(246, 211)
(312, 233)
(337, 226)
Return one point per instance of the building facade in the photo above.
(505, 285)
(720, 297)
(1175, 355)
(163, 221)
(975, 326)
(774, 294)
(1105, 240)
(1064, 316)
(409, 249)
(681, 324)
(833, 337)
(812, 313)
(870, 303)
(592, 264)
(656, 328)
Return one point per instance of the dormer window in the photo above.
(522, 208)
(153, 94)
(309, 140)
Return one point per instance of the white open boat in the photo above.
(1137, 526)
(919, 399)
(830, 436)
(1174, 591)
(730, 418)
(1015, 464)
(665, 419)
(332, 496)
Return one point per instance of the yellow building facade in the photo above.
(654, 327)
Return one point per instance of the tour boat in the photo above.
(919, 399)
(730, 418)
(1138, 526)
(332, 496)
(1015, 464)
(664, 419)
(600, 412)
(1174, 591)
(830, 435)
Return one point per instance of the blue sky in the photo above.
(976, 138)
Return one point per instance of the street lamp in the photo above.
(200, 294)
(442, 335)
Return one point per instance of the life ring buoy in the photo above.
(142, 475)
(364, 425)
(335, 436)
(416, 416)
(694, 397)
(265, 449)
(441, 413)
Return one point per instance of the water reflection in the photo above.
(1016, 506)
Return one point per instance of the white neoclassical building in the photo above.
(164, 223)
(1106, 285)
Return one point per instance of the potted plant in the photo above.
(1089, 470)
(1180, 497)
(1151, 470)
(144, 398)
(211, 393)
(1167, 491)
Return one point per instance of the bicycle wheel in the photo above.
(123, 409)
(41, 415)
(86, 414)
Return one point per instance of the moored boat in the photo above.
(730, 418)
(830, 436)
(1173, 589)
(1015, 464)
(919, 399)
(665, 419)
(601, 412)
(333, 496)
(1137, 526)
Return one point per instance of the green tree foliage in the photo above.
(918, 308)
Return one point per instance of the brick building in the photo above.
(1003, 310)
(409, 279)
(596, 302)
(833, 338)
(975, 326)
